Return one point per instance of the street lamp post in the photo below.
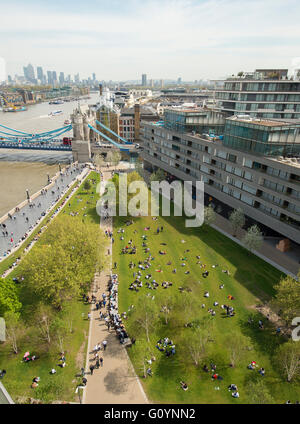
(27, 194)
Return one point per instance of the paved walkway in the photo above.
(24, 221)
(115, 382)
(267, 252)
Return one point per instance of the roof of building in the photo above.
(264, 122)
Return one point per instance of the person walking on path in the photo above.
(104, 343)
(101, 361)
(82, 372)
(97, 363)
(92, 367)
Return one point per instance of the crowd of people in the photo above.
(42, 229)
(29, 218)
(143, 277)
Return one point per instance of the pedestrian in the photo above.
(92, 367)
(101, 361)
(104, 343)
(97, 363)
(89, 316)
(84, 381)
(82, 372)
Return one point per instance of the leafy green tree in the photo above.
(99, 161)
(63, 264)
(166, 303)
(258, 393)
(9, 298)
(287, 357)
(237, 220)
(209, 215)
(253, 239)
(159, 175)
(14, 329)
(237, 348)
(44, 318)
(287, 298)
(87, 185)
(144, 317)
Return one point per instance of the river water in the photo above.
(28, 169)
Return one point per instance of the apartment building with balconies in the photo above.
(261, 94)
(248, 167)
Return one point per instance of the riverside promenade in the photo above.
(30, 213)
(115, 382)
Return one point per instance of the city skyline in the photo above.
(196, 39)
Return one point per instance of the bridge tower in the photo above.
(82, 135)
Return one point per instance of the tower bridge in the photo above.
(87, 140)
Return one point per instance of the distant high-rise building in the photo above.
(68, 78)
(161, 83)
(54, 76)
(50, 77)
(40, 75)
(76, 78)
(151, 83)
(29, 73)
(179, 80)
(61, 78)
(144, 80)
(94, 76)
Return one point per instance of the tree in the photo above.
(9, 298)
(116, 157)
(63, 264)
(61, 331)
(237, 348)
(209, 215)
(14, 328)
(159, 175)
(196, 344)
(44, 319)
(237, 220)
(253, 238)
(113, 157)
(166, 306)
(288, 355)
(287, 298)
(99, 161)
(144, 316)
(258, 393)
(87, 185)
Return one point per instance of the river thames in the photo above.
(21, 170)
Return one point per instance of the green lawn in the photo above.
(251, 281)
(19, 375)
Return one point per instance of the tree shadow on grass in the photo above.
(264, 340)
(250, 271)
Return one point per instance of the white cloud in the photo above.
(167, 38)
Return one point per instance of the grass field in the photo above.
(19, 375)
(251, 281)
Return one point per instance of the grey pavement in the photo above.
(17, 227)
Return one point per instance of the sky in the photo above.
(165, 39)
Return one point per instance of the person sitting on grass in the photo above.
(262, 372)
(149, 372)
(235, 394)
(184, 386)
(232, 387)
